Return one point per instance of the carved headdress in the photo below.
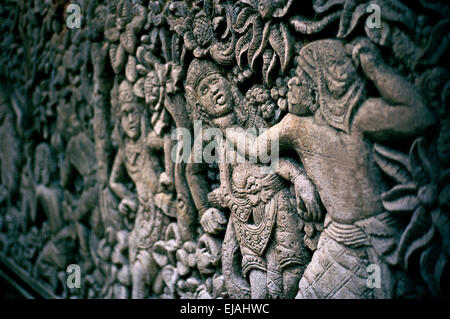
(340, 89)
(126, 94)
(197, 71)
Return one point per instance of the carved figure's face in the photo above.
(151, 89)
(42, 169)
(265, 8)
(130, 120)
(214, 94)
(44, 172)
(302, 94)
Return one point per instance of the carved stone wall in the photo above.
(226, 149)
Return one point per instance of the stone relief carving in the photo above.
(226, 149)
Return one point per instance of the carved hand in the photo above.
(128, 206)
(166, 182)
(366, 54)
(308, 197)
(215, 197)
(213, 221)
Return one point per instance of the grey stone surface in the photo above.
(321, 169)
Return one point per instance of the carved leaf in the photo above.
(117, 56)
(280, 40)
(401, 198)
(321, 6)
(307, 26)
(264, 41)
(125, 11)
(139, 19)
(252, 3)
(394, 10)
(165, 44)
(432, 262)
(350, 18)
(224, 52)
(242, 46)
(255, 41)
(130, 69)
(417, 235)
(244, 20)
(395, 164)
(391, 10)
(418, 244)
(421, 167)
(281, 12)
(128, 40)
(269, 64)
(111, 32)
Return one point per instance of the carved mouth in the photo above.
(220, 99)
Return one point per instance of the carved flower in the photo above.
(415, 194)
(200, 34)
(263, 100)
(210, 34)
(186, 258)
(262, 36)
(350, 13)
(253, 185)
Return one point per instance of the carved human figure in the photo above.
(10, 150)
(138, 158)
(263, 220)
(48, 195)
(331, 125)
(80, 161)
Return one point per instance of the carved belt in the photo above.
(262, 206)
(148, 224)
(349, 235)
(243, 202)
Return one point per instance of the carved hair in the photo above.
(316, 59)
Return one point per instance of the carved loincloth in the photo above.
(149, 227)
(254, 214)
(266, 226)
(338, 269)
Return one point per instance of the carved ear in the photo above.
(190, 95)
(315, 100)
(190, 100)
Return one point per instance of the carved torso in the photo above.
(143, 168)
(341, 167)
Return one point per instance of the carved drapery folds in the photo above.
(104, 164)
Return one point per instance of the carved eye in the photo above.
(204, 89)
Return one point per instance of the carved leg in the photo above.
(138, 274)
(258, 284)
(83, 240)
(291, 278)
(144, 271)
(236, 285)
